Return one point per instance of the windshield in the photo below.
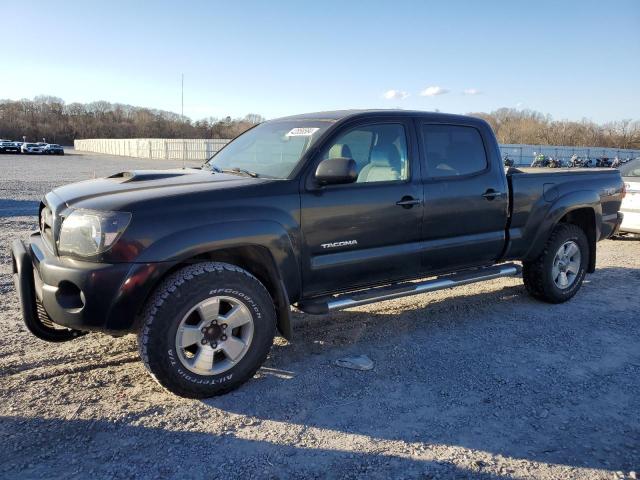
(271, 149)
(631, 169)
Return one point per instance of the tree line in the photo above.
(534, 128)
(58, 122)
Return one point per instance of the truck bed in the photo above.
(536, 192)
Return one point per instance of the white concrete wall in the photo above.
(159, 148)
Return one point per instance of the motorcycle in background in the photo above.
(507, 161)
(554, 163)
(578, 162)
(575, 161)
(540, 160)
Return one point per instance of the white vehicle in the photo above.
(631, 203)
(31, 148)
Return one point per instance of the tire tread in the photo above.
(155, 366)
(534, 275)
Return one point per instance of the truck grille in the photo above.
(43, 316)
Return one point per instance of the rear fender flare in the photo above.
(558, 209)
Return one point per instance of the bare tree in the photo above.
(49, 117)
(530, 127)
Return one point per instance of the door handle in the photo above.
(491, 194)
(408, 202)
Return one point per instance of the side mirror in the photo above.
(334, 171)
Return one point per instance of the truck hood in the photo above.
(128, 186)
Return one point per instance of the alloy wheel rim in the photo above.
(566, 265)
(214, 335)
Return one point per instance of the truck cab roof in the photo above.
(340, 115)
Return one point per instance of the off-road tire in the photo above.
(174, 298)
(537, 274)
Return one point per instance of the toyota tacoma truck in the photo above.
(321, 211)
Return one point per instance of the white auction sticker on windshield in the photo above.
(302, 132)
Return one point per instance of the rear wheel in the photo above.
(557, 274)
(207, 329)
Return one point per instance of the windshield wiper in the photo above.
(237, 170)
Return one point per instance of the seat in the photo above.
(340, 150)
(384, 165)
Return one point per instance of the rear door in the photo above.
(466, 198)
(366, 232)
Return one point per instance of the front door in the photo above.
(466, 197)
(367, 232)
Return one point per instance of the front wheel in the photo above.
(557, 274)
(207, 329)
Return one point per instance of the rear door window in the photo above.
(453, 150)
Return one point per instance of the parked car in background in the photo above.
(53, 149)
(9, 147)
(630, 207)
(32, 148)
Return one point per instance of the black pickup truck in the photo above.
(321, 211)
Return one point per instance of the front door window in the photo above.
(380, 152)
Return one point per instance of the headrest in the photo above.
(340, 150)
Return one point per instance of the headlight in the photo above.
(88, 232)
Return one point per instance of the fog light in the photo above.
(69, 296)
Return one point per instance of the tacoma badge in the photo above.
(339, 244)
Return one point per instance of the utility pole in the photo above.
(182, 116)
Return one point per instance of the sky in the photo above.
(570, 59)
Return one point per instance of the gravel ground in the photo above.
(476, 382)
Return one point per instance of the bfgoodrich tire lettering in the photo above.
(538, 275)
(174, 298)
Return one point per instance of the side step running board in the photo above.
(323, 305)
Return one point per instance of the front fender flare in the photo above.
(185, 245)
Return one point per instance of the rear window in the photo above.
(453, 150)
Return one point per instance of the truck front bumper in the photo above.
(77, 294)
